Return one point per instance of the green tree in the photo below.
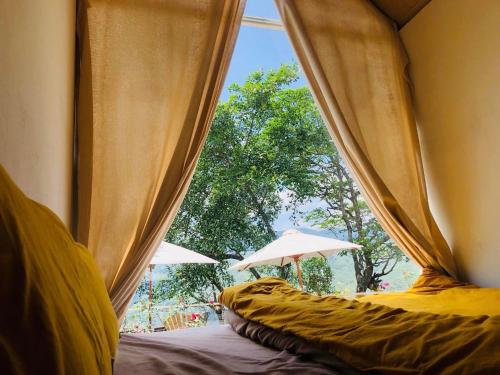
(268, 141)
(317, 276)
(345, 213)
(252, 154)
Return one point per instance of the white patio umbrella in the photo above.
(293, 246)
(168, 253)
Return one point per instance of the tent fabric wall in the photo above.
(150, 76)
(352, 57)
(37, 57)
(455, 60)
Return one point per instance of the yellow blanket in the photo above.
(373, 337)
(461, 301)
(440, 294)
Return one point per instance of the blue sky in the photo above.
(258, 48)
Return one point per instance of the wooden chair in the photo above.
(182, 320)
(176, 321)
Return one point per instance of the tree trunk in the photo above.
(285, 271)
(262, 214)
(255, 272)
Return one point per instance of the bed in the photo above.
(214, 350)
(439, 327)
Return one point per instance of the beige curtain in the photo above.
(150, 75)
(355, 65)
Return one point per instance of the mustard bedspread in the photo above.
(373, 337)
(435, 293)
(440, 294)
(461, 301)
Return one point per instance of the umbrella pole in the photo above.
(150, 305)
(299, 272)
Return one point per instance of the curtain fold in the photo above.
(151, 72)
(355, 64)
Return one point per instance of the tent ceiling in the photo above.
(400, 11)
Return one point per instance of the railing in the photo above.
(141, 318)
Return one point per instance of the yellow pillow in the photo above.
(55, 313)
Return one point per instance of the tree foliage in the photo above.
(345, 213)
(318, 277)
(267, 141)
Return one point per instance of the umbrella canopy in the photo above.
(168, 253)
(294, 245)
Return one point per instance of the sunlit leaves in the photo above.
(267, 141)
